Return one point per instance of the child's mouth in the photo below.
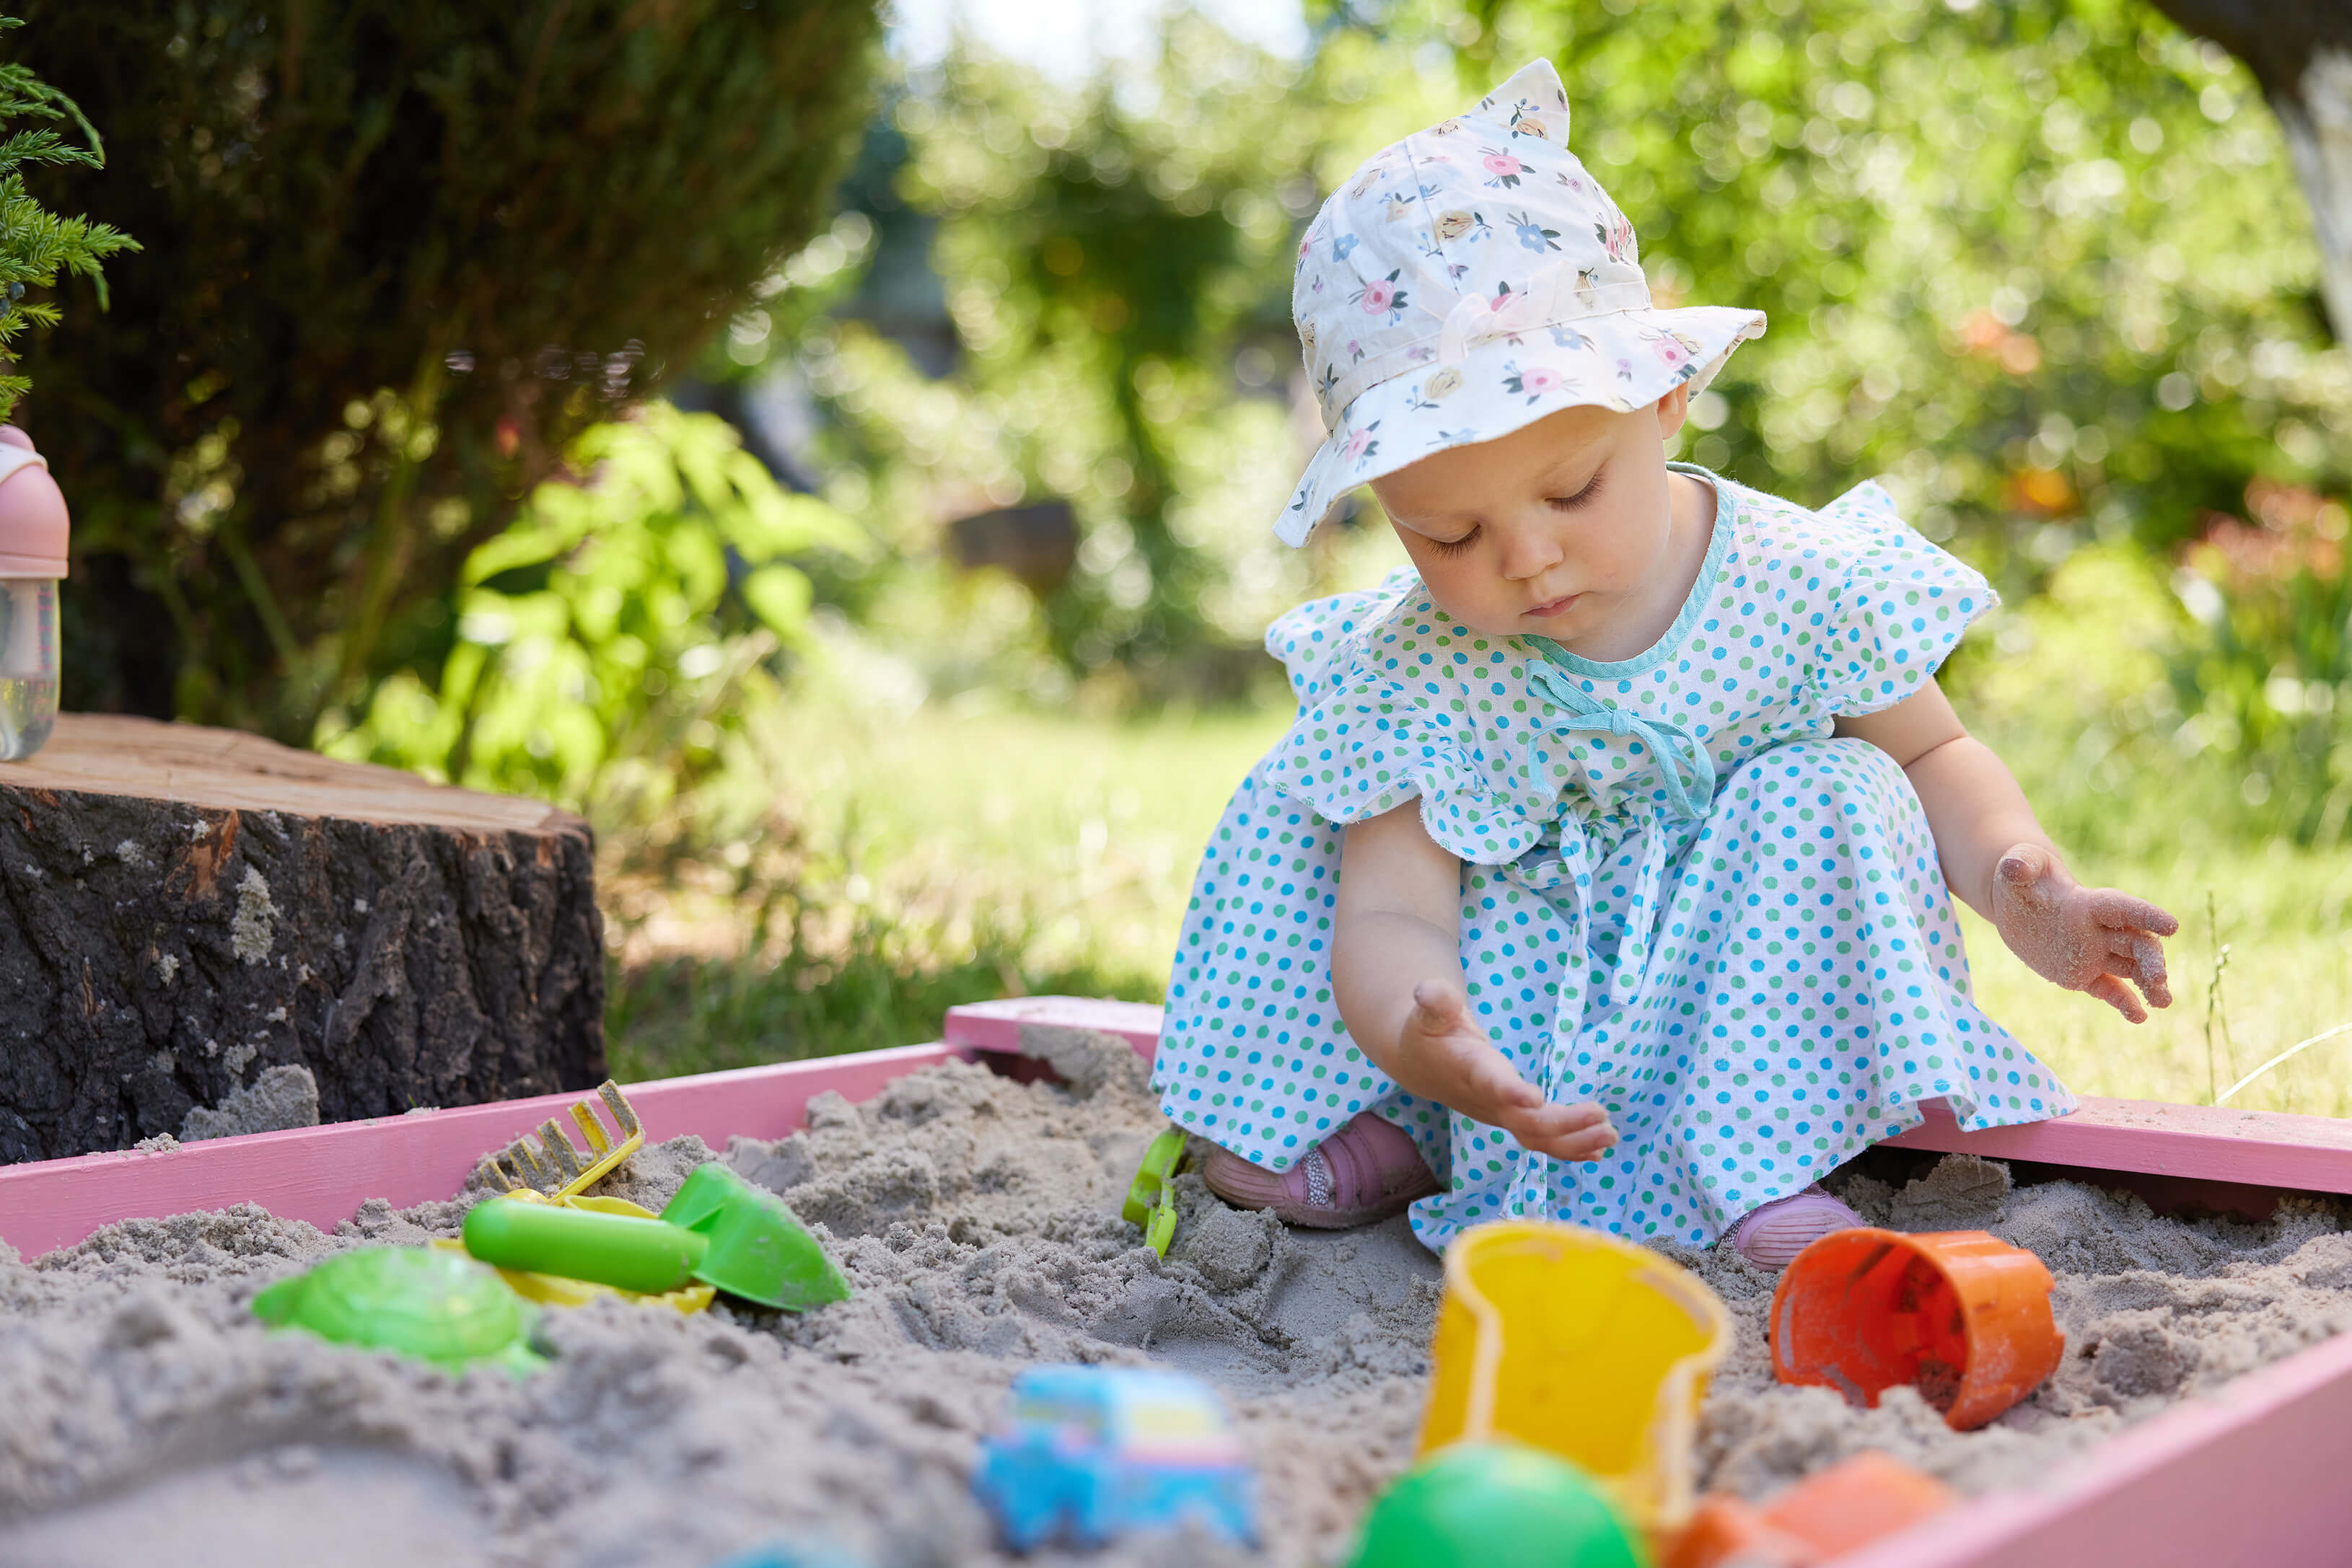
(1545, 611)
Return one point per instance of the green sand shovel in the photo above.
(719, 1229)
(1151, 1199)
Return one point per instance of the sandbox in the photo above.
(2195, 1418)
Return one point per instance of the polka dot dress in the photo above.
(1758, 976)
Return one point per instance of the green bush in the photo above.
(1104, 251)
(34, 244)
(398, 256)
(2263, 674)
(2044, 262)
(604, 644)
(2042, 265)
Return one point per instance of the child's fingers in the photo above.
(2155, 987)
(2138, 958)
(2147, 969)
(1489, 1076)
(2023, 872)
(2117, 910)
(1441, 1024)
(1550, 1121)
(1577, 1146)
(1436, 1006)
(1564, 1132)
(2113, 992)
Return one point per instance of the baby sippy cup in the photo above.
(32, 560)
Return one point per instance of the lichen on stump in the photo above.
(182, 909)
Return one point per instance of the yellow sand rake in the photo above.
(551, 1166)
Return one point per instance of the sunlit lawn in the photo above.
(1069, 843)
(2289, 976)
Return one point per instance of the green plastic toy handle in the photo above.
(1151, 1201)
(629, 1254)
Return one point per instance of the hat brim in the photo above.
(1625, 361)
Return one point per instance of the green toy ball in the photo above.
(435, 1305)
(1496, 1505)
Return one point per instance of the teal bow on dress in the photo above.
(1683, 765)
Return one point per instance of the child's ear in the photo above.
(1673, 408)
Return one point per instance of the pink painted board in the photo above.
(996, 1026)
(2251, 1476)
(323, 1174)
(2258, 1148)
(2262, 1148)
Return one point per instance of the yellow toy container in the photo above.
(1574, 1342)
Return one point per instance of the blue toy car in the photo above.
(1090, 1453)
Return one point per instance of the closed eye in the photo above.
(1455, 546)
(1570, 503)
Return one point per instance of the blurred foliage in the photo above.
(36, 245)
(609, 641)
(2192, 697)
(1116, 262)
(398, 257)
(2041, 265)
(2268, 662)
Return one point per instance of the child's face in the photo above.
(1560, 529)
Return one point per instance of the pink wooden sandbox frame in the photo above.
(2253, 1475)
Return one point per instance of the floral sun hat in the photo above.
(1467, 281)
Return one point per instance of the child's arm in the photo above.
(1396, 974)
(2001, 863)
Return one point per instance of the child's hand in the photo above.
(2084, 939)
(1465, 1072)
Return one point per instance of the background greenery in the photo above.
(2041, 265)
(397, 256)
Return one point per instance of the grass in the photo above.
(2279, 911)
(963, 853)
(960, 855)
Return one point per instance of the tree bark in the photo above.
(2301, 54)
(184, 908)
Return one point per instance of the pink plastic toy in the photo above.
(33, 526)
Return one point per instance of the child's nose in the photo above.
(1529, 554)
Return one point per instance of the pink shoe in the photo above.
(1367, 1170)
(1771, 1235)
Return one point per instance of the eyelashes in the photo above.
(1558, 503)
(1570, 503)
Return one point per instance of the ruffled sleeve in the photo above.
(1375, 728)
(1902, 607)
(1317, 640)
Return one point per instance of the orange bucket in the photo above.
(1848, 1505)
(1960, 1316)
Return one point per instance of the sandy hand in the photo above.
(2084, 939)
(1458, 1065)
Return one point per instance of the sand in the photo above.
(282, 1097)
(977, 1219)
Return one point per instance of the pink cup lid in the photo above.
(33, 520)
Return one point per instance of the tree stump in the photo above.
(183, 909)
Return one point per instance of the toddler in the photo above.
(1606, 874)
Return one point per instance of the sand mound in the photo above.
(977, 1219)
